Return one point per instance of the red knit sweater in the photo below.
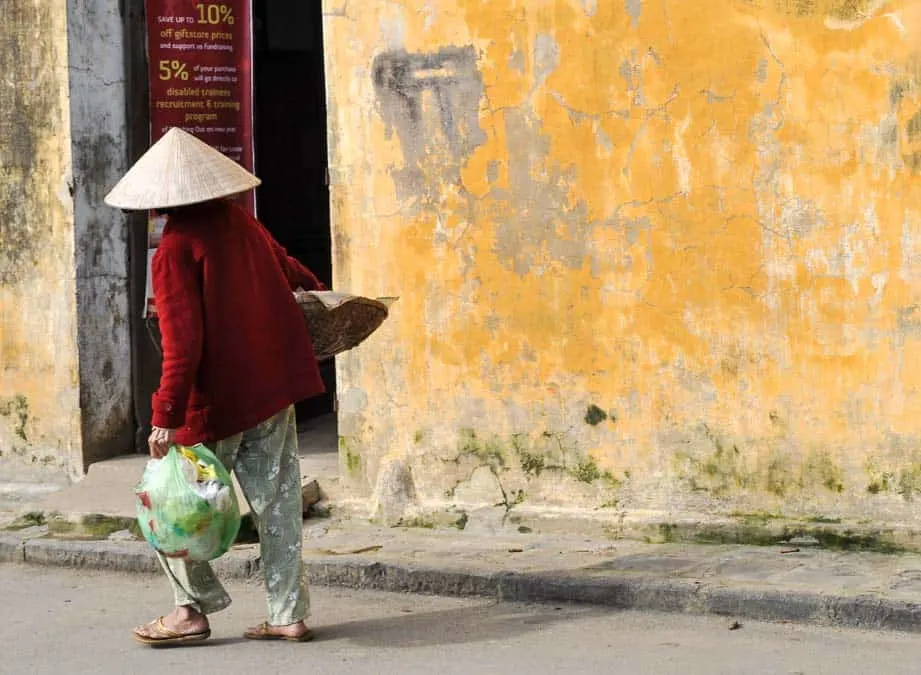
(236, 350)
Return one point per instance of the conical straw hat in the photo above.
(178, 170)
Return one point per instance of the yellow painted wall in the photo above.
(39, 395)
(658, 256)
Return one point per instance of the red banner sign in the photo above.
(201, 79)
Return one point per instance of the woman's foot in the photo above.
(293, 632)
(182, 625)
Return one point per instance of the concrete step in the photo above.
(108, 488)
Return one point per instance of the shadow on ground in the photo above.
(495, 622)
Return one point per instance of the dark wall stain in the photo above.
(17, 410)
(907, 145)
(449, 129)
(99, 150)
(913, 128)
(93, 157)
(849, 10)
(912, 156)
(29, 111)
(107, 422)
(804, 7)
(595, 415)
(843, 10)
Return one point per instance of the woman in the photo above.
(236, 357)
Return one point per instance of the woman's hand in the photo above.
(160, 441)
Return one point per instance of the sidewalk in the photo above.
(808, 585)
(797, 582)
(108, 488)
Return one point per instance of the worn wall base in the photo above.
(757, 529)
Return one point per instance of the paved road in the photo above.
(69, 623)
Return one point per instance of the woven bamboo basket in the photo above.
(337, 322)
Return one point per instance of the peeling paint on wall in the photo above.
(27, 111)
(39, 408)
(432, 103)
(97, 95)
(64, 334)
(704, 215)
(634, 10)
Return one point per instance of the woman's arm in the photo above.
(178, 297)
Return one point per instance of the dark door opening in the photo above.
(291, 145)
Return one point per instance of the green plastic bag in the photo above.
(186, 505)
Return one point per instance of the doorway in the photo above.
(291, 146)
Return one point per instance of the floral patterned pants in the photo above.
(265, 461)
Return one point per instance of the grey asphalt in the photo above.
(64, 621)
